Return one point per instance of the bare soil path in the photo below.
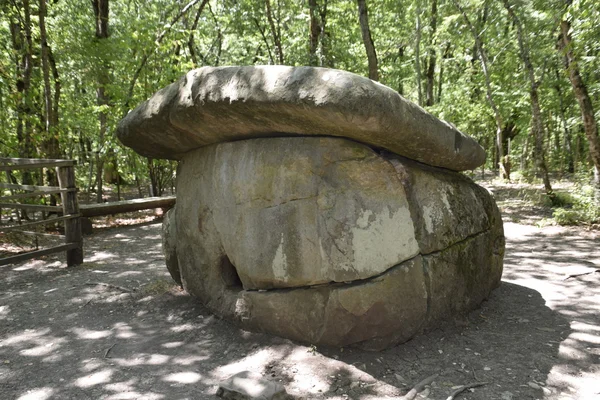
(117, 328)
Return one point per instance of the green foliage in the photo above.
(579, 207)
(151, 45)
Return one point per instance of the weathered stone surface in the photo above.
(248, 385)
(287, 214)
(212, 105)
(293, 212)
(373, 313)
(461, 276)
(446, 207)
(169, 245)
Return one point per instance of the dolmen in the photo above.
(318, 205)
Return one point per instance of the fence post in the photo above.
(66, 180)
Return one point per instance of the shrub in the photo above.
(579, 207)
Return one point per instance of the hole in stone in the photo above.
(229, 274)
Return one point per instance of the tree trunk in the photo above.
(583, 99)
(430, 74)
(400, 62)
(265, 40)
(315, 32)
(219, 38)
(275, 31)
(536, 113)
(101, 8)
(441, 77)
(567, 151)
(418, 56)
(326, 60)
(191, 43)
(50, 141)
(363, 18)
(503, 162)
(23, 46)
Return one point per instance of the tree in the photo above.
(430, 74)
(536, 113)
(315, 32)
(503, 162)
(580, 89)
(64, 87)
(275, 32)
(101, 8)
(363, 17)
(51, 102)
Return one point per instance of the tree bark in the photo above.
(418, 57)
(23, 46)
(363, 18)
(191, 42)
(50, 141)
(441, 77)
(583, 99)
(264, 38)
(325, 59)
(537, 125)
(567, 151)
(315, 32)
(101, 12)
(219, 38)
(275, 31)
(503, 161)
(430, 74)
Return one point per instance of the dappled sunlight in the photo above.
(95, 378)
(183, 377)
(560, 264)
(83, 333)
(95, 331)
(37, 394)
(99, 256)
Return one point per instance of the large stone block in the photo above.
(319, 205)
(325, 241)
(292, 212)
(212, 105)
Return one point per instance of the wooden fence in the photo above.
(69, 209)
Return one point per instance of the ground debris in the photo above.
(461, 389)
(109, 285)
(419, 387)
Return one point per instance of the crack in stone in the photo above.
(467, 238)
(290, 201)
(374, 277)
(271, 200)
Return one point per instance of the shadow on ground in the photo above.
(117, 328)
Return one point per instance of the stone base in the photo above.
(324, 241)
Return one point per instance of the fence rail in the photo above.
(69, 209)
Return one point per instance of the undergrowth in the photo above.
(579, 207)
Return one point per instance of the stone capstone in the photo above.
(326, 241)
(212, 105)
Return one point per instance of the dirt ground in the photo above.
(117, 327)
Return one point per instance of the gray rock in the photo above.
(247, 385)
(267, 232)
(375, 313)
(447, 207)
(213, 105)
(310, 210)
(169, 245)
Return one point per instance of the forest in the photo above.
(520, 76)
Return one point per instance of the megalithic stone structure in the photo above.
(318, 205)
